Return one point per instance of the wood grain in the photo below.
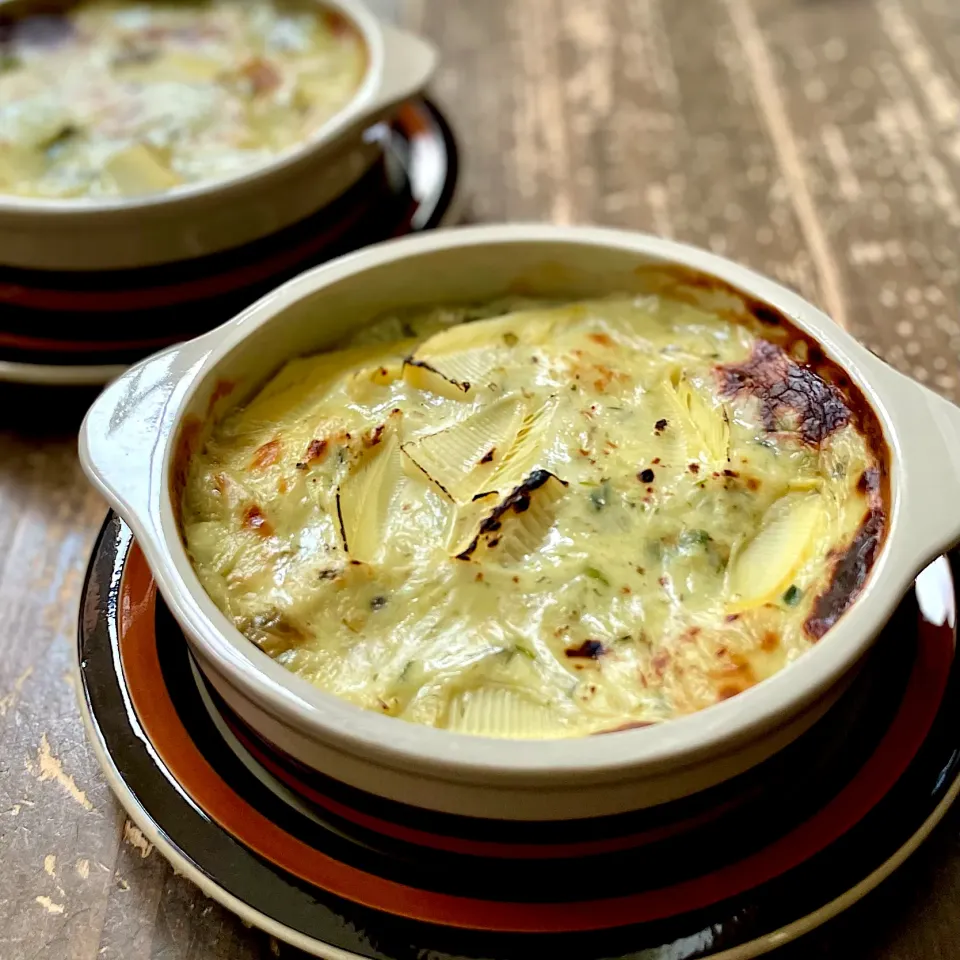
(817, 141)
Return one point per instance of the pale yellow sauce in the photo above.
(121, 99)
(669, 555)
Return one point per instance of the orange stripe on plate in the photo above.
(23, 342)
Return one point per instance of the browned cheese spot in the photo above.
(266, 456)
(316, 451)
(262, 75)
(769, 642)
(253, 519)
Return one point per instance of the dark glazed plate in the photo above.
(82, 328)
(727, 874)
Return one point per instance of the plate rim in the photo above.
(324, 951)
(193, 871)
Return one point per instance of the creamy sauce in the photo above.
(121, 99)
(550, 521)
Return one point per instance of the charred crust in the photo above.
(343, 533)
(766, 315)
(316, 451)
(462, 385)
(688, 286)
(588, 650)
(868, 483)
(489, 455)
(850, 572)
(660, 425)
(518, 500)
(645, 476)
(786, 389)
(372, 437)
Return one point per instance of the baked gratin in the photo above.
(541, 520)
(113, 99)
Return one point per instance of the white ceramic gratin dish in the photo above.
(210, 216)
(129, 447)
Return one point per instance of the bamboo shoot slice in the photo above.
(456, 377)
(362, 386)
(527, 451)
(137, 170)
(457, 361)
(767, 565)
(529, 328)
(19, 165)
(499, 712)
(176, 66)
(662, 439)
(705, 426)
(365, 498)
(303, 382)
(459, 459)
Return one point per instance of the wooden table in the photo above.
(818, 141)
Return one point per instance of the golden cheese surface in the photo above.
(112, 99)
(538, 520)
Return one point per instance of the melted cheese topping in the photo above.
(557, 520)
(117, 99)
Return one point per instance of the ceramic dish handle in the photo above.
(124, 429)
(927, 468)
(408, 63)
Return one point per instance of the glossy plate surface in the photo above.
(343, 875)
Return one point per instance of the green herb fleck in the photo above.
(602, 496)
(792, 595)
(62, 136)
(594, 574)
(510, 339)
(523, 651)
(694, 538)
(9, 61)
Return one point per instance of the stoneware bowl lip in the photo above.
(137, 485)
(375, 92)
